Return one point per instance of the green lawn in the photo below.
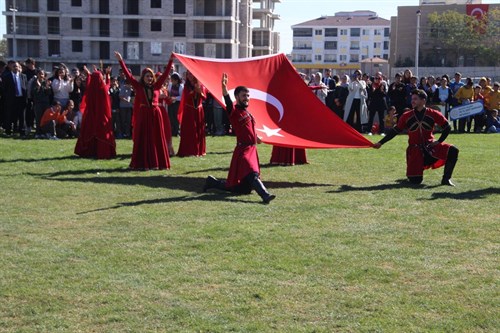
(347, 246)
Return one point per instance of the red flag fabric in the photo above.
(286, 112)
(477, 10)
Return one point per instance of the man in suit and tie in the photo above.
(14, 96)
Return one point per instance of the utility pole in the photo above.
(13, 9)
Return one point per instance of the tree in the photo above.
(3, 49)
(466, 36)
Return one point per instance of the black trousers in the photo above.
(14, 109)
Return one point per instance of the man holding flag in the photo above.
(244, 170)
(423, 152)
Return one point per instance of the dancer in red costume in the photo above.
(244, 170)
(423, 152)
(96, 137)
(192, 118)
(150, 145)
(288, 156)
(165, 100)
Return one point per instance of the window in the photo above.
(104, 50)
(53, 5)
(387, 32)
(330, 58)
(377, 45)
(330, 45)
(355, 32)
(155, 3)
(302, 45)
(377, 32)
(156, 48)
(354, 58)
(354, 45)
(54, 49)
(386, 56)
(179, 6)
(104, 27)
(77, 46)
(342, 57)
(331, 32)
(132, 50)
(76, 23)
(386, 45)
(103, 7)
(179, 28)
(53, 25)
(318, 32)
(155, 25)
(131, 7)
(180, 47)
(365, 32)
(317, 57)
(343, 32)
(131, 28)
(302, 32)
(76, 3)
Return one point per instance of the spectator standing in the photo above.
(14, 92)
(464, 96)
(355, 111)
(62, 86)
(377, 103)
(397, 94)
(41, 93)
(30, 71)
(175, 89)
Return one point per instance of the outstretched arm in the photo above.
(161, 80)
(389, 136)
(225, 93)
(125, 70)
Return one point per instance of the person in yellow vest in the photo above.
(465, 95)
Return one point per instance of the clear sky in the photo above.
(297, 11)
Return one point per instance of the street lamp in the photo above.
(13, 9)
(417, 44)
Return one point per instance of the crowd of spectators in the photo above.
(361, 98)
(370, 104)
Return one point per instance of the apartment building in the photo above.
(264, 39)
(340, 42)
(78, 32)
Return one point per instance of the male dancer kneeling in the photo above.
(244, 170)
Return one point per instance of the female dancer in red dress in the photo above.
(192, 118)
(150, 145)
(96, 137)
(288, 156)
(165, 100)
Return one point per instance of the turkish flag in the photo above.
(286, 112)
(478, 11)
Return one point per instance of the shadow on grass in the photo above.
(212, 196)
(400, 183)
(188, 184)
(468, 195)
(60, 158)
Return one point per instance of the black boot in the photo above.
(262, 191)
(451, 161)
(212, 182)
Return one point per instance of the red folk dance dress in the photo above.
(150, 144)
(288, 156)
(245, 159)
(192, 122)
(96, 137)
(419, 155)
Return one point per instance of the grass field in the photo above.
(347, 246)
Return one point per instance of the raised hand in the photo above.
(224, 81)
(118, 56)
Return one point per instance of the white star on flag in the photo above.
(270, 132)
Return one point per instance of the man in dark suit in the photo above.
(14, 96)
